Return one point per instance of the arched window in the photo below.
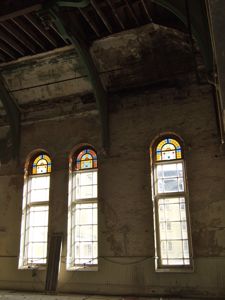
(172, 230)
(34, 226)
(82, 246)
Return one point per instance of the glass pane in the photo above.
(85, 192)
(175, 261)
(86, 250)
(38, 234)
(95, 215)
(39, 195)
(167, 155)
(170, 178)
(85, 185)
(38, 216)
(41, 182)
(86, 178)
(170, 185)
(85, 233)
(42, 169)
(95, 252)
(172, 212)
(174, 232)
(170, 170)
(37, 252)
(173, 235)
(83, 216)
(175, 249)
(95, 233)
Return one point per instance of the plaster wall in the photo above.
(126, 236)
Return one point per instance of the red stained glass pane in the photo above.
(86, 159)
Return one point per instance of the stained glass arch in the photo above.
(86, 159)
(41, 164)
(168, 149)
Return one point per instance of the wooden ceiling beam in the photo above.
(17, 35)
(132, 12)
(59, 34)
(116, 14)
(12, 43)
(8, 51)
(2, 58)
(146, 10)
(41, 29)
(90, 22)
(102, 16)
(20, 12)
(28, 31)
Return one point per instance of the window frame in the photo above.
(26, 207)
(156, 196)
(72, 202)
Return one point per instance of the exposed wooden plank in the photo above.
(53, 262)
(29, 32)
(12, 43)
(132, 12)
(41, 29)
(102, 16)
(7, 50)
(146, 10)
(20, 12)
(116, 14)
(17, 35)
(90, 22)
(2, 58)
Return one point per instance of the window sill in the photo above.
(83, 268)
(171, 269)
(33, 267)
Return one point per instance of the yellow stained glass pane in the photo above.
(160, 145)
(179, 155)
(47, 158)
(41, 164)
(175, 143)
(158, 157)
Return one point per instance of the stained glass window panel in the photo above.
(41, 164)
(86, 159)
(168, 149)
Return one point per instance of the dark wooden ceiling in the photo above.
(22, 33)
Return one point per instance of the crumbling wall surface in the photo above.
(126, 234)
(149, 94)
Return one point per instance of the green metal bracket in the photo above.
(13, 114)
(75, 35)
(65, 3)
(199, 24)
(75, 3)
